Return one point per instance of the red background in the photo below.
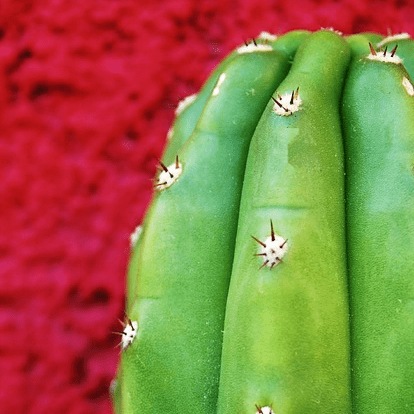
(87, 94)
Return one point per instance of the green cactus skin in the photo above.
(188, 117)
(329, 328)
(359, 43)
(187, 249)
(181, 130)
(378, 119)
(286, 339)
(185, 123)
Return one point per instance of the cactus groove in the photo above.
(274, 270)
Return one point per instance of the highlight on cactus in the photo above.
(274, 270)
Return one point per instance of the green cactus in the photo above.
(274, 271)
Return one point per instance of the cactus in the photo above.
(274, 270)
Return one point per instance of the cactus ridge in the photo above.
(273, 273)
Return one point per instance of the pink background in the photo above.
(87, 94)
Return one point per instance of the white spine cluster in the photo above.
(264, 410)
(385, 56)
(168, 175)
(129, 333)
(287, 104)
(184, 103)
(274, 251)
(267, 36)
(252, 48)
(331, 29)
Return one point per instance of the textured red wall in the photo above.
(87, 93)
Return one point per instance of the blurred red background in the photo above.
(87, 93)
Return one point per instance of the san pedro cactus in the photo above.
(274, 271)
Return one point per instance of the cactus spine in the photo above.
(282, 216)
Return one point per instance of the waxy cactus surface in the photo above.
(274, 271)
